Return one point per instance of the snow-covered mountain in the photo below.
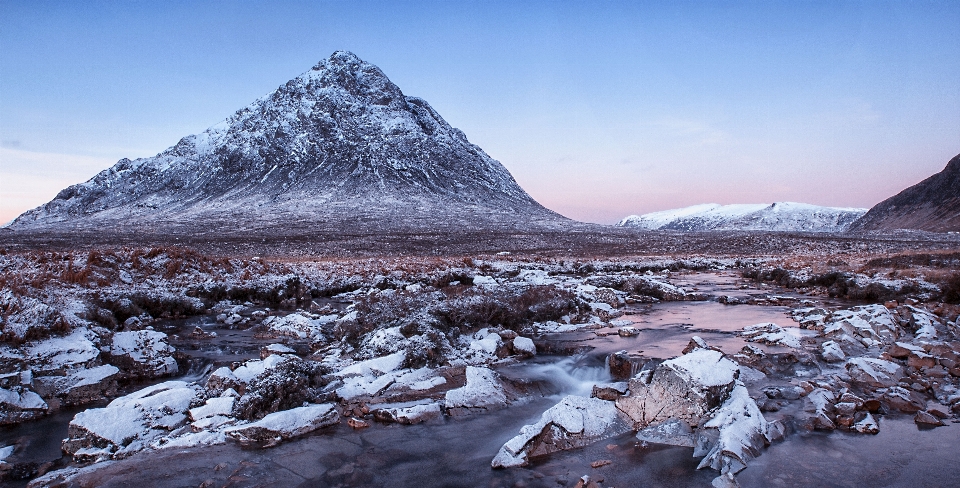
(337, 145)
(781, 216)
(932, 205)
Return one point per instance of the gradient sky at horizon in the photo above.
(598, 109)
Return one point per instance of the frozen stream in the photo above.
(457, 451)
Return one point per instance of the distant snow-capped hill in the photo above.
(338, 145)
(780, 217)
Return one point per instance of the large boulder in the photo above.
(686, 388)
(143, 354)
(18, 404)
(734, 435)
(280, 426)
(574, 422)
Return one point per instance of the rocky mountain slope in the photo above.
(781, 216)
(340, 146)
(932, 205)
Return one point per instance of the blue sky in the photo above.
(599, 109)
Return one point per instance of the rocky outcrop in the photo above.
(932, 205)
(482, 391)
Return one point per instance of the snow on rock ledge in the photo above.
(279, 426)
(129, 423)
(734, 435)
(574, 422)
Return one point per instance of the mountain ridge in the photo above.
(932, 205)
(779, 217)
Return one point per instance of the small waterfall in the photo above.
(570, 375)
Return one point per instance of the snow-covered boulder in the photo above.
(574, 422)
(832, 352)
(408, 413)
(58, 355)
(130, 423)
(299, 325)
(143, 353)
(483, 390)
(867, 326)
(684, 388)
(770, 333)
(877, 373)
(18, 404)
(286, 424)
(524, 346)
(734, 435)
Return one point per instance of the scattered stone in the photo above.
(867, 426)
(628, 332)
(927, 420)
(357, 423)
(831, 352)
(696, 342)
(770, 333)
(600, 463)
(876, 373)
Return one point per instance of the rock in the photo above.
(600, 463)
(609, 392)
(925, 419)
(907, 401)
(901, 350)
(88, 385)
(867, 426)
(876, 373)
(286, 424)
(357, 423)
(129, 423)
(734, 435)
(621, 365)
(289, 381)
(920, 360)
(409, 413)
(275, 349)
(574, 422)
(524, 346)
(628, 331)
(482, 391)
(770, 333)
(819, 402)
(143, 354)
(872, 405)
(696, 342)
(19, 404)
(831, 352)
(672, 432)
(684, 388)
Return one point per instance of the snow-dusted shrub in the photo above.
(284, 386)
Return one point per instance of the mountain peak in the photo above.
(338, 141)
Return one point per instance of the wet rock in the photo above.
(409, 413)
(143, 354)
(286, 424)
(356, 423)
(876, 373)
(600, 463)
(482, 391)
(831, 352)
(572, 423)
(86, 385)
(628, 331)
(609, 392)
(925, 419)
(684, 388)
(672, 432)
(621, 365)
(129, 423)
